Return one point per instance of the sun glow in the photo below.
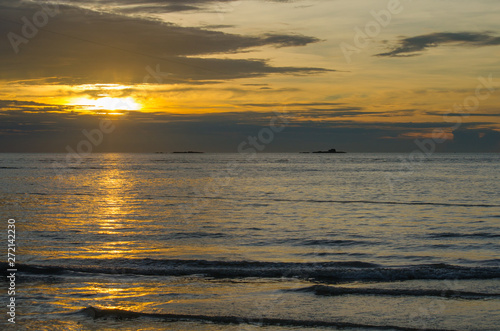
(108, 104)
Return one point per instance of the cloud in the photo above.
(160, 6)
(40, 127)
(463, 114)
(411, 46)
(476, 140)
(15, 106)
(280, 40)
(218, 26)
(292, 104)
(80, 46)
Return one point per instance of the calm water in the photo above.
(278, 242)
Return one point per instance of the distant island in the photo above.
(330, 151)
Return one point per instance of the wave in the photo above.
(196, 234)
(312, 242)
(411, 203)
(96, 313)
(336, 242)
(326, 272)
(337, 291)
(464, 235)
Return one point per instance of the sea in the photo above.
(250, 241)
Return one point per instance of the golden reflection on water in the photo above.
(106, 294)
(112, 187)
(111, 208)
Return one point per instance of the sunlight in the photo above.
(108, 103)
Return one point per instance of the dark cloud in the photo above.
(147, 6)
(83, 46)
(161, 6)
(411, 46)
(464, 114)
(312, 113)
(475, 140)
(329, 109)
(218, 26)
(166, 8)
(279, 40)
(293, 104)
(14, 106)
(29, 127)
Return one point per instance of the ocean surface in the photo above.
(234, 242)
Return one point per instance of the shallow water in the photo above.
(274, 242)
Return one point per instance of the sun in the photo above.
(107, 104)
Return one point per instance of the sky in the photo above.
(210, 75)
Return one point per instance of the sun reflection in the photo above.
(112, 210)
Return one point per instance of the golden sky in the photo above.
(360, 75)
